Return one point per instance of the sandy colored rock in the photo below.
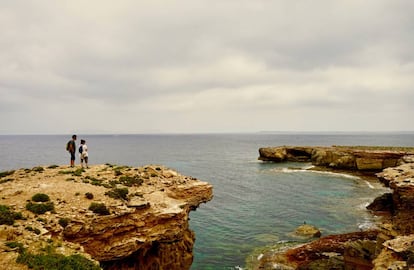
(307, 231)
(152, 215)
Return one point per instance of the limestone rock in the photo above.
(149, 226)
(273, 154)
(307, 231)
(349, 158)
(382, 203)
(359, 254)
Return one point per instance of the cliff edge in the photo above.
(114, 217)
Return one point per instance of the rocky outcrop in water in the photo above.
(391, 247)
(122, 217)
(337, 157)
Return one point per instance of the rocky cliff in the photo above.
(389, 247)
(121, 217)
(338, 157)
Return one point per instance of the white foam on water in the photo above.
(369, 185)
(308, 170)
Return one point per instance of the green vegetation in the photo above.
(41, 204)
(64, 222)
(43, 220)
(6, 173)
(77, 172)
(40, 197)
(31, 229)
(40, 208)
(8, 216)
(51, 260)
(89, 195)
(99, 208)
(53, 167)
(5, 180)
(118, 193)
(15, 245)
(38, 169)
(130, 181)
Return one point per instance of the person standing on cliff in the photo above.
(71, 148)
(83, 153)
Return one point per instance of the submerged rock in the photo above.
(307, 231)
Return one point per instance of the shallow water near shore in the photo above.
(255, 204)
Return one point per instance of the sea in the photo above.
(256, 204)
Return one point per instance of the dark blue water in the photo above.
(255, 204)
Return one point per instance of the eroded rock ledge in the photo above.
(361, 158)
(146, 227)
(389, 247)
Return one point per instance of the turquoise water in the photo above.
(268, 202)
(255, 204)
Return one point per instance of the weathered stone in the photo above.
(307, 231)
(349, 158)
(150, 227)
(369, 164)
(273, 154)
(382, 203)
(359, 254)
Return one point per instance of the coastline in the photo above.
(140, 215)
(389, 247)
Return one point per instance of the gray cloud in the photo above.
(206, 66)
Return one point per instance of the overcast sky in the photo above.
(206, 66)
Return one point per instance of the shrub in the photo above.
(89, 195)
(6, 215)
(38, 169)
(99, 208)
(130, 181)
(6, 173)
(52, 260)
(117, 172)
(78, 172)
(40, 197)
(40, 208)
(43, 220)
(31, 229)
(17, 245)
(53, 167)
(118, 193)
(64, 222)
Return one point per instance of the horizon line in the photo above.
(264, 132)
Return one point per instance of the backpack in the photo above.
(81, 149)
(68, 146)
